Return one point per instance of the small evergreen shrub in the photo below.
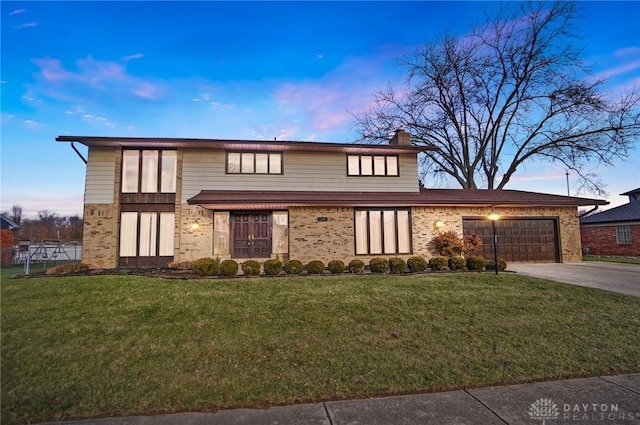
(475, 263)
(457, 263)
(336, 266)
(438, 263)
(490, 264)
(356, 266)
(293, 267)
(205, 266)
(379, 265)
(272, 267)
(67, 268)
(397, 265)
(417, 264)
(315, 267)
(251, 268)
(229, 268)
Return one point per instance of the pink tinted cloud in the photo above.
(109, 76)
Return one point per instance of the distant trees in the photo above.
(48, 225)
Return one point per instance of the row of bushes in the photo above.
(396, 265)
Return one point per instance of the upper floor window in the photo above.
(623, 234)
(372, 165)
(254, 163)
(149, 171)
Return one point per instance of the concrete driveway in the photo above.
(616, 277)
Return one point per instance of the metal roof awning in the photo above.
(270, 200)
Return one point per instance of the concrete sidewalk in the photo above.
(604, 400)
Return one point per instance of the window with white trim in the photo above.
(372, 165)
(624, 235)
(254, 163)
(383, 231)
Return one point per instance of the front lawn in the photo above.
(77, 347)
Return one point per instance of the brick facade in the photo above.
(600, 239)
(6, 244)
(100, 240)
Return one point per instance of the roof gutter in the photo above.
(587, 212)
(79, 154)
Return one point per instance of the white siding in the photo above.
(303, 171)
(101, 170)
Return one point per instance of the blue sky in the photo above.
(244, 70)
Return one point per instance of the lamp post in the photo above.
(494, 217)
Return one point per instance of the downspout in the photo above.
(587, 212)
(82, 157)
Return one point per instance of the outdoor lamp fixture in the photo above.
(195, 226)
(438, 224)
(494, 217)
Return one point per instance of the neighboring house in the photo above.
(7, 228)
(150, 201)
(615, 231)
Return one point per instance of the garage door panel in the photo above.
(519, 240)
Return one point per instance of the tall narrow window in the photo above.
(128, 234)
(624, 235)
(167, 224)
(149, 174)
(169, 171)
(148, 223)
(385, 231)
(130, 164)
(280, 232)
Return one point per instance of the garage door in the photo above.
(519, 240)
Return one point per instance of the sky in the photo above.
(236, 70)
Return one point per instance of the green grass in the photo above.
(630, 260)
(78, 347)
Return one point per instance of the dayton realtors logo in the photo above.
(545, 409)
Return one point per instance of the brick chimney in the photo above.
(401, 138)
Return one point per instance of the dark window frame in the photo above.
(159, 172)
(624, 234)
(382, 237)
(373, 174)
(254, 153)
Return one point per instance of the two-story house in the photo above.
(150, 201)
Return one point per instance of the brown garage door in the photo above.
(519, 240)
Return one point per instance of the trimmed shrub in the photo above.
(356, 266)
(490, 264)
(251, 268)
(438, 263)
(397, 265)
(293, 267)
(417, 264)
(272, 267)
(229, 268)
(457, 263)
(67, 268)
(379, 265)
(335, 266)
(475, 263)
(315, 267)
(205, 266)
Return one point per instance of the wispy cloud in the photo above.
(17, 12)
(28, 25)
(33, 125)
(90, 77)
(126, 59)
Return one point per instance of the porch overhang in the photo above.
(277, 200)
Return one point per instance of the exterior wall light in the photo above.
(195, 226)
(438, 224)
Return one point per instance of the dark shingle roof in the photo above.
(626, 212)
(7, 224)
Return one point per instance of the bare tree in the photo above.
(16, 214)
(512, 91)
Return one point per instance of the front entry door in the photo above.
(251, 235)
